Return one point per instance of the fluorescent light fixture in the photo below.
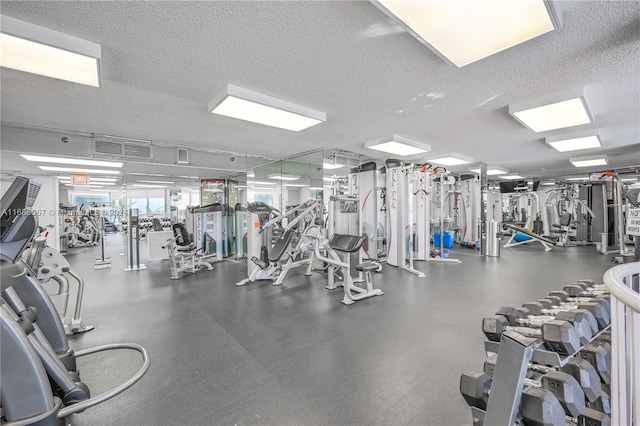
(629, 179)
(147, 174)
(103, 179)
(282, 176)
(91, 184)
(510, 177)
(464, 31)
(296, 185)
(251, 174)
(330, 166)
(74, 161)
(148, 186)
(558, 111)
(260, 182)
(574, 142)
(547, 183)
(153, 181)
(491, 170)
(578, 178)
(452, 159)
(316, 188)
(244, 104)
(398, 145)
(38, 50)
(594, 160)
(78, 170)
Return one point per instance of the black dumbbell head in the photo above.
(581, 321)
(599, 311)
(563, 295)
(474, 387)
(599, 355)
(494, 327)
(567, 390)
(511, 314)
(555, 300)
(561, 337)
(586, 375)
(535, 308)
(539, 407)
(574, 290)
(591, 417)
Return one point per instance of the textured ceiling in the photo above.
(164, 61)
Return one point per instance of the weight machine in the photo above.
(204, 223)
(78, 229)
(363, 185)
(339, 249)
(439, 178)
(275, 261)
(184, 254)
(401, 201)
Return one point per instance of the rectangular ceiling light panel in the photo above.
(279, 176)
(79, 170)
(244, 104)
(566, 144)
(332, 166)
(510, 177)
(37, 50)
(452, 159)
(491, 171)
(465, 31)
(74, 161)
(559, 111)
(598, 160)
(398, 145)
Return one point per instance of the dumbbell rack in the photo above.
(515, 352)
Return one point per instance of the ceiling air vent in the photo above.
(139, 151)
(182, 156)
(105, 146)
(109, 148)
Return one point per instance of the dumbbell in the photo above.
(580, 289)
(553, 305)
(475, 389)
(599, 355)
(572, 297)
(583, 319)
(562, 298)
(559, 336)
(580, 369)
(602, 403)
(521, 317)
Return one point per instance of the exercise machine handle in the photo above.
(75, 408)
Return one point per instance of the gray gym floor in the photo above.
(293, 354)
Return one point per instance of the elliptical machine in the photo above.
(40, 381)
(46, 264)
